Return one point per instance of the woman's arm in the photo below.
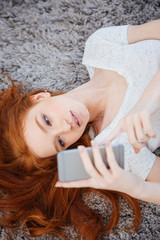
(149, 190)
(137, 122)
(146, 31)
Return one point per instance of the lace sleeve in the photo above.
(140, 163)
(114, 34)
(107, 48)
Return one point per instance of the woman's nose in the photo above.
(65, 127)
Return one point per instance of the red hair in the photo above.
(29, 197)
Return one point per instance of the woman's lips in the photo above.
(76, 118)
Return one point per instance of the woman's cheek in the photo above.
(76, 137)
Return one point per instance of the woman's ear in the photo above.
(40, 96)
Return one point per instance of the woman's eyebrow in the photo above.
(45, 131)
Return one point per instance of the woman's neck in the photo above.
(103, 96)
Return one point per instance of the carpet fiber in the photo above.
(41, 46)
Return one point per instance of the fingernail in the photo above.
(136, 150)
(81, 148)
(57, 185)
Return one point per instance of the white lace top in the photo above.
(108, 48)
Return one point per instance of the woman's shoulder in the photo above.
(112, 34)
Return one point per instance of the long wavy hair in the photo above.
(28, 196)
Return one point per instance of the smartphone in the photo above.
(70, 166)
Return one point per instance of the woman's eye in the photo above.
(47, 120)
(61, 142)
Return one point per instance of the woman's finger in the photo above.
(111, 158)
(116, 131)
(132, 135)
(98, 161)
(88, 164)
(138, 124)
(75, 184)
(147, 126)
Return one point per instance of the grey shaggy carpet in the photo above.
(41, 46)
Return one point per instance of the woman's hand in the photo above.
(115, 178)
(137, 122)
(138, 127)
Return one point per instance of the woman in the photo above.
(142, 60)
(38, 126)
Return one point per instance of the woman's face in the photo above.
(54, 123)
